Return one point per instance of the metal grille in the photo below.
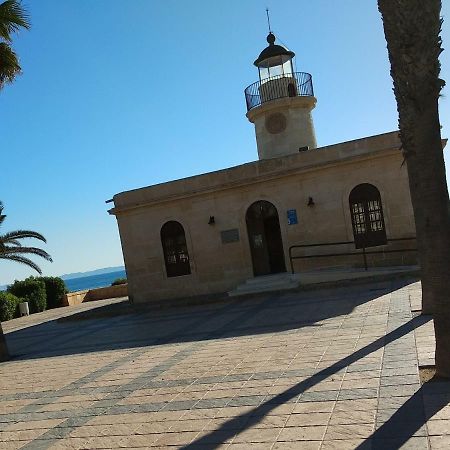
(359, 219)
(367, 216)
(298, 84)
(375, 215)
(176, 254)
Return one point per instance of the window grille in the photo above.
(176, 255)
(367, 216)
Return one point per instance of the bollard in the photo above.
(24, 309)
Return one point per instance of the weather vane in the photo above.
(268, 19)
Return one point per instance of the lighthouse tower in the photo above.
(280, 104)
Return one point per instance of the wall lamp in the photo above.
(310, 202)
(211, 221)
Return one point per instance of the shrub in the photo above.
(55, 290)
(32, 290)
(119, 281)
(8, 306)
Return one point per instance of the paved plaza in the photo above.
(333, 368)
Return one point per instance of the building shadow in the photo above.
(385, 433)
(112, 328)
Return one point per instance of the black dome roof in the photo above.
(276, 53)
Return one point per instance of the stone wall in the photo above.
(75, 298)
(327, 175)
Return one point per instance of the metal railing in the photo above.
(363, 253)
(298, 84)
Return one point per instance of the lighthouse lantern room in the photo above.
(280, 104)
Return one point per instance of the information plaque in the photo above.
(229, 236)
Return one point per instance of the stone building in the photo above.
(209, 233)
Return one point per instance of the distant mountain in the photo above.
(69, 276)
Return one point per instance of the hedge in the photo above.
(55, 290)
(8, 306)
(32, 290)
(118, 281)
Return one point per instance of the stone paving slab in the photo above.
(327, 369)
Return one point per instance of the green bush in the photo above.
(119, 281)
(32, 290)
(8, 306)
(55, 290)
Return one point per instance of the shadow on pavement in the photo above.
(411, 416)
(385, 433)
(121, 326)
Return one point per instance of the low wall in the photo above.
(75, 298)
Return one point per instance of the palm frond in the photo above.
(31, 250)
(2, 216)
(9, 64)
(22, 260)
(12, 18)
(12, 250)
(11, 242)
(21, 234)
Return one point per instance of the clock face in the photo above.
(276, 123)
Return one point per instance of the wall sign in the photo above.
(292, 217)
(229, 236)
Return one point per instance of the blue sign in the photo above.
(292, 217)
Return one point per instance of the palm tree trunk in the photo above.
(4, 354)
(412, 29)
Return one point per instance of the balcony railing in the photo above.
(298, 84)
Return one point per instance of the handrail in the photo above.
(297, 84)
(363, 253)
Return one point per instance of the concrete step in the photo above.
(267, 283)
(274, 284)
(336, 275)
(269, 279)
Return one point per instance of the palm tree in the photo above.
(12, 18)
(11, 249)
(412, 30)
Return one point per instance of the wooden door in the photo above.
(264, 234)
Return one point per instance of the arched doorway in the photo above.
(367, 216)
(264, 234)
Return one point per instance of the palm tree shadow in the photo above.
(254, 416)
(409, 419)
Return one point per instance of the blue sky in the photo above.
(118, 94)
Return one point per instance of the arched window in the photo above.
(175, 249)
(367, 216)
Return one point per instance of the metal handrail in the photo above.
(363, 253)
(297, 84)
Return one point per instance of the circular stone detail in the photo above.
(276, 123)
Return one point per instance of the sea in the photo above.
(93, 281)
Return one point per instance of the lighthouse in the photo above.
(280, 103)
